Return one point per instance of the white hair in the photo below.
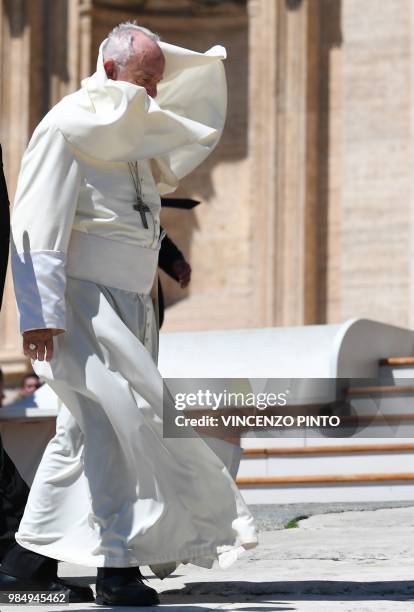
(119, 44)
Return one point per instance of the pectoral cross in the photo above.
(140, 205)
(142, 209)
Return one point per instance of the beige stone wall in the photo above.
(334, 157)
(377, 161)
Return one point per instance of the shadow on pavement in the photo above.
(258, 592)
(261, 609)
(188, 608)
(83, 580)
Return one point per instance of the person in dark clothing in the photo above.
(173, 263)
(13, 497)
(13, 494)
(14, 490)
(4, 228)
(171, 260)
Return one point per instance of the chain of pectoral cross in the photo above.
(140, 205)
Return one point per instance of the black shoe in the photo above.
(76, 592)
(124, 588)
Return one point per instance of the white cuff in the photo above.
(39, 282)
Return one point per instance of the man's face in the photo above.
(144, 71)
(29, 386)
(145, 67)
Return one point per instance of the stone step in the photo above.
(397, 361)
(323, 479)
(328, 450)
(380, 390)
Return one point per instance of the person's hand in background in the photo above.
(182, 270)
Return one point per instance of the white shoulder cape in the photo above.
(117, 121)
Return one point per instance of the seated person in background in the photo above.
(2, 396)
(28, 386)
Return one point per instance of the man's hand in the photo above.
(182, 269)
(43, 339)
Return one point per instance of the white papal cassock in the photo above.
(110, 490)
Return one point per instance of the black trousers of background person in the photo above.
(15, 559)
(13, 498)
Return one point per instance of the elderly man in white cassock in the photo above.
(111, 492)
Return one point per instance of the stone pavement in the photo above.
(339, 562)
